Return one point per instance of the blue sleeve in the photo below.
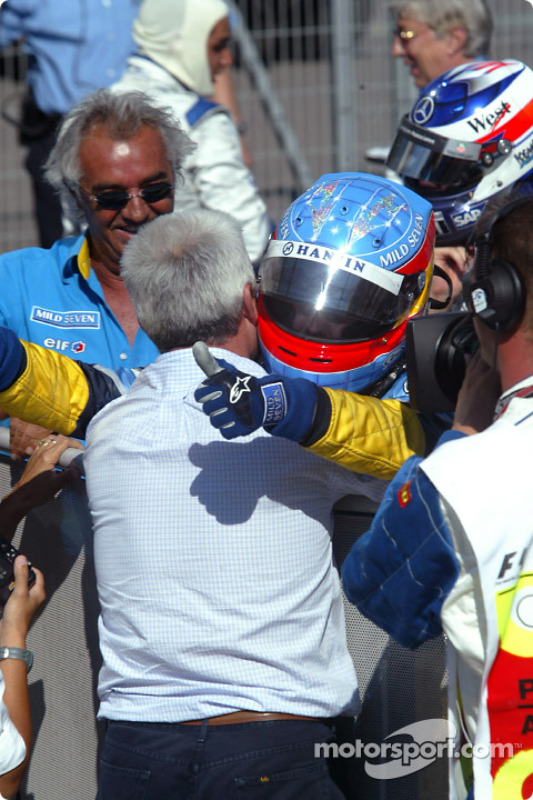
(12, 358)
(104, 386)
(399, 573)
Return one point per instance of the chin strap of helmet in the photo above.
(439, 305)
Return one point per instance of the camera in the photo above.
(436, 346)
(8, 553)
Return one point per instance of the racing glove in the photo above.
(238, 403)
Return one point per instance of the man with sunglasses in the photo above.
(116, 158)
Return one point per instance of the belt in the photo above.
(248, 716)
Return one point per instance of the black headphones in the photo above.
(495, 292)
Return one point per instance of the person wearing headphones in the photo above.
(450, 548)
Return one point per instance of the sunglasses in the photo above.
(115, 200)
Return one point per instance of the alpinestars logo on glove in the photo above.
(239, 388)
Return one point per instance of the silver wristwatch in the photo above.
(17, 652)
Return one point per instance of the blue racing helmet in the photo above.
(349, 263)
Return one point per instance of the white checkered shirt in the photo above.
(214, 560)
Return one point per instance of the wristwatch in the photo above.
(17, 652)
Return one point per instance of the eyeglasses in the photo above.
(403, 35)
(406, 36)
(115, 200)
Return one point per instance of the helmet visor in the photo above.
(420, 154)
(326, 303)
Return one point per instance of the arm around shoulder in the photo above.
(366, 434)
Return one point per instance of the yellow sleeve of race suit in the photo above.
(51, 392)
(370, 435)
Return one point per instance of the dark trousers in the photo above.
(47, 205)
(38, 132)
(273, 760)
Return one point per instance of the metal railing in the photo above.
(317, 88)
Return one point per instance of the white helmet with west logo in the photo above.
(468, 138)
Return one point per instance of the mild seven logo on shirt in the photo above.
(66, 319)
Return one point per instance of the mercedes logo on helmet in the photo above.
(288, 248)
(423, 110)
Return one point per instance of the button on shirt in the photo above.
(214, 560)
(54, 299)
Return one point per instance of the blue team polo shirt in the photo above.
(53, 298)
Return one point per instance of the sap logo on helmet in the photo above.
(488, 121)
(468, 217)
(423, 111)
(525, 155)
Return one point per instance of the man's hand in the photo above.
(238, 403)
(21, 605)
(40, 470)
(477, 397)
(24, 438)
(39, 482)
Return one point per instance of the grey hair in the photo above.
(123, 115)
(441, 15)
(185, 273)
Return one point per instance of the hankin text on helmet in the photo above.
(323, 254)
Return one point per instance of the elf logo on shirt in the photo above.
(64, 344)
